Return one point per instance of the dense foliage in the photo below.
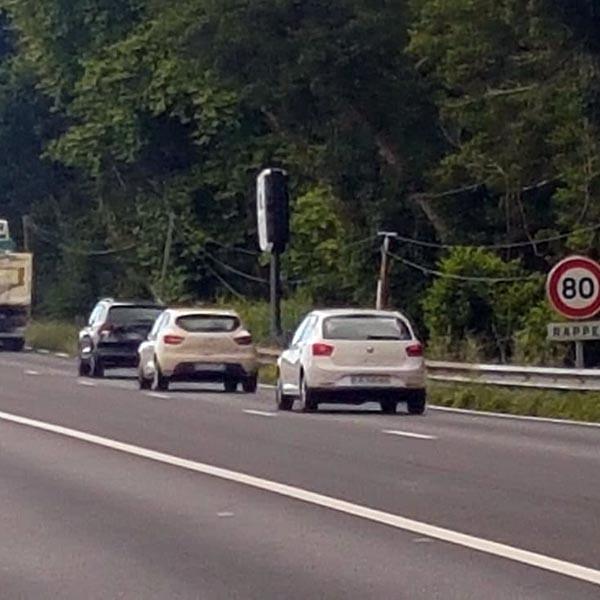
(132, 132)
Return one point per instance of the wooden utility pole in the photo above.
(26, 234)
(383, 286)
(167, 255)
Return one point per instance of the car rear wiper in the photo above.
(394, 338)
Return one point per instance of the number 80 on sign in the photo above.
(573, 287)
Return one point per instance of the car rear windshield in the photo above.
(361, 328)
(208, 323)
(130, 315)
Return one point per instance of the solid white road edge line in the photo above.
(518, 555)
(495, 415)
(260, 413)
(158, 396)
(409, 434)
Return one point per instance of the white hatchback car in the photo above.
(353, 357)
(198, 345)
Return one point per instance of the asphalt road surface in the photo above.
(109, 492)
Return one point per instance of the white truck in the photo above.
(16, 271)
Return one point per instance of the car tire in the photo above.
(308, 400)
(417, 402)
(96, 367)
(389, 407)
(83, 368)
(160, 383)
(230, 385)
(144, 382)
(250, 384)
(284, 402)
(14, 345)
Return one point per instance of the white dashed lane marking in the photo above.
(86, 383)
(410, 434)
(260, 413)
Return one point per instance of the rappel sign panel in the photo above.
(273, 210)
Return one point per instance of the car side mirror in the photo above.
(288, 338)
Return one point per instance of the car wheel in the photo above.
(160, 382)
(389, 407)
(83, 368)
(96, 367)
(308, 401)
(144, 382)
(250, 384)
(417, 402)
(15, 345)
(284, 402)
(230, 385)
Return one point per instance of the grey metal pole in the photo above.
(276, 331)
(579, 355)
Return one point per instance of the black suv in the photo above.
(113, 335)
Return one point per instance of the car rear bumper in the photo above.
(364, 395)
(16, 334)
(177, 365)
(125, 356)
(218, 372)
(339, 379)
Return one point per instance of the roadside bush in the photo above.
(255, 313)
(531, 343)
(487, 313)
(56, 336)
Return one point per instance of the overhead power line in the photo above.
(50, 238)
(506, 246)
(465, 278)
(234, 270)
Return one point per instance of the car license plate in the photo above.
(370, 380)
(208, 367)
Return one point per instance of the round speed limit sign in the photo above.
(573, 287)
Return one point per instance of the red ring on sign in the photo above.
(575, 262)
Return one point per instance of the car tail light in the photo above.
(173, 340)
(415, 350)
(106, 329)
(321, 349)
(243, 340)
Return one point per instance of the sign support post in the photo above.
(579, 355)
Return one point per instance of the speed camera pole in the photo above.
(276, 329)
(274, 233)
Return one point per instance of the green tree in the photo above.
(480, 297)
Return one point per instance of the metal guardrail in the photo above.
(502, 375)
(516, 376)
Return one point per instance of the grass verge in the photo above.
(55, 336)
(576, 406)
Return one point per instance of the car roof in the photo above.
(124, 303)
(180, 312)
(347, 312)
